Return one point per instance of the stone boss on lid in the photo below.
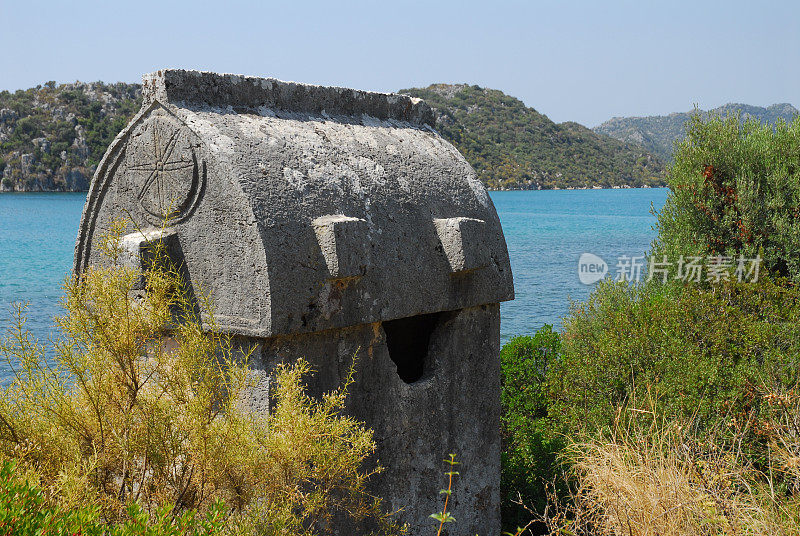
(322, 222)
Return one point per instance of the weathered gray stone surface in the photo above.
(321, 220)
(453, 407)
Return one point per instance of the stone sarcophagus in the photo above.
(324, 222)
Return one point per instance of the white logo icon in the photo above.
(591, 268)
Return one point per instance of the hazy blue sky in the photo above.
(580, 61)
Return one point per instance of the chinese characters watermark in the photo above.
(715, 268)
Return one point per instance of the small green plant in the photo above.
(703, 351)
(444, 516)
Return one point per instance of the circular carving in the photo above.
(165, 171)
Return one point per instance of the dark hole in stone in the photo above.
(407, 340)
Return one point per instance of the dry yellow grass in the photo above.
(654, 478)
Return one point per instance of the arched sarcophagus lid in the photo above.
(300, 208)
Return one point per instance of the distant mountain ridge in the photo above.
(513, 146)
(658, 133)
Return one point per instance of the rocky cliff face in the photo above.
(52, 137)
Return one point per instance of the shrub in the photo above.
(706, 355)
(710, 356)
(24, 511)
(137, 403)
(735, 191)
(702, 353)
(530, 445)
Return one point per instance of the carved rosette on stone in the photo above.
(153, 173)
(164, 170)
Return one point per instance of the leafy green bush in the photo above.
(24, 511)
(530, 445)
(709, 356)
(702, 354)
(701, 350)
(712, 354)
(735, 191)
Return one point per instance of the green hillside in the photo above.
(513, 146)
(658, 134)
(52, 137)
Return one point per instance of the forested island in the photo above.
(512, 146)
(53, 136)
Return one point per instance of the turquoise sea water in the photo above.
(37, 239)
(546, 232)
